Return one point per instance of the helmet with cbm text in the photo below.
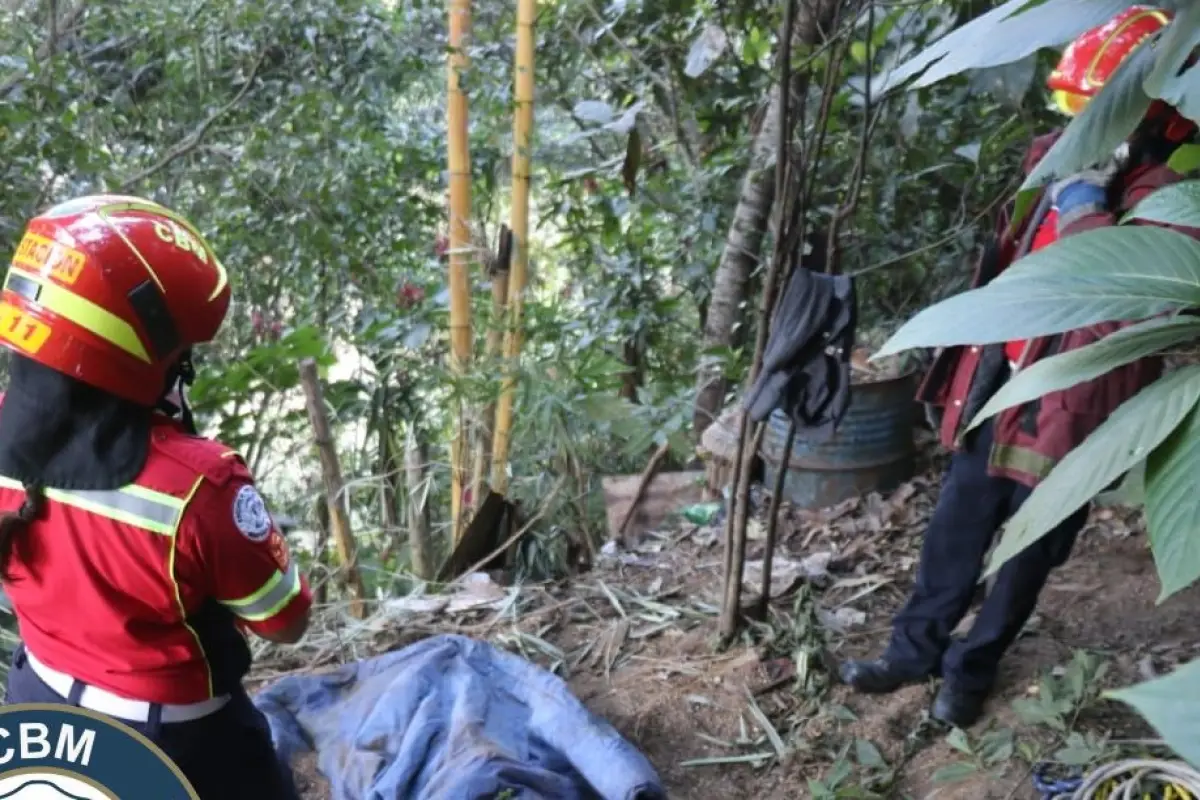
(113, 291)
(1088, 62)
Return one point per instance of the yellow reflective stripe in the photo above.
(132, 505)
(1185, 159)
(86, 314)
(271, 598)
(183, 614)
(134, 204)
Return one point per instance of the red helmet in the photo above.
(112, 290)
(1091, 59)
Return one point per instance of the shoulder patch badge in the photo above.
(279, 550)
(250, 514)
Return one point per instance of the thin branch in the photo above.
(193, 140)
(850, 203)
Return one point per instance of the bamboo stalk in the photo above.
(498, 270)
(522, 156)
(331, 476)
(419, 543)
(459, 165)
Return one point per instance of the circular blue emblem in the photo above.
(56, 752)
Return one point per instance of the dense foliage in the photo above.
(307, 139)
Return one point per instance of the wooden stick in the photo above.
(419, 544)
(331, 475)
(785, 460)
(735, 530)
(647, 476)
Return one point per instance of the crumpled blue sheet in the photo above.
(451, 718)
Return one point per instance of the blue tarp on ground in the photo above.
(452, 718)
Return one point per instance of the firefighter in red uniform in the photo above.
(133, 550)
(994, 469)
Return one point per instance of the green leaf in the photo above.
(867, 754)
(1109, 118)
(593, 111)
(1131, 492)
(1102, 275)
(1172, 513)
(960, 39)
(957, 739)
(1174, 48)
(1021, 34)
(952, 773)
(1090, 362)
(1171, 704)
(1177, 204)
(1125, 438)
(1077, 753)
(705, 50)
(996, 746)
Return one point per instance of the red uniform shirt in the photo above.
(1046, 234)
(103, 583)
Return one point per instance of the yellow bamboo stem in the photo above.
(459, 164)
(522, 135)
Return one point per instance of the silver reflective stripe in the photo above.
(270, 599)
(132, 505)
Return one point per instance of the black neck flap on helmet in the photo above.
(60, 433)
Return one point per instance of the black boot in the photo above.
(878, 676)
(958, 707)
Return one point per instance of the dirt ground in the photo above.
(657, 676)
(1101, 601)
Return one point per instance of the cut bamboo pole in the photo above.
(459, 165)
(498, 268)
(419, 544)
(522, 158)
(331, 476)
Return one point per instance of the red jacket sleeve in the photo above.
(241, 556)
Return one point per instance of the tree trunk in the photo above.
(749, 227)
(738, 260)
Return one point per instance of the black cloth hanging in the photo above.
(806, 365)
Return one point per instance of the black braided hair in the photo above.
(14, 522)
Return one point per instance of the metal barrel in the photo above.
(872, 449)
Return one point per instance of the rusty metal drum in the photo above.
(872, 450)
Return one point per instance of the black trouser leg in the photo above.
(970, 507)
(970, 665)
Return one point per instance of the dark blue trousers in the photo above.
(970, 510)
(225, 756)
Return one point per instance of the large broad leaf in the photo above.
(1122, 441)
(1174, 49)
(1177, 204)
(1097, 276)
(1020, 34)
(1183, 92)
(1131, 492)
(1172, 513)
(1164, 703)
(1088, 363)
(1106, 122)
(961, 38)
